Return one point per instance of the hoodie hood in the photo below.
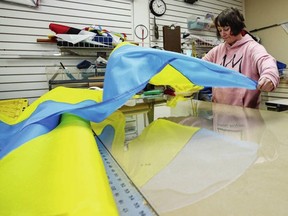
(245, 39)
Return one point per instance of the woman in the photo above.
(242, 53)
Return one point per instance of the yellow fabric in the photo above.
(152, 151)
(172, 77)
(59, 94)
(122, 44)
(59, 173)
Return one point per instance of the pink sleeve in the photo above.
(266, 64)
(210, 56)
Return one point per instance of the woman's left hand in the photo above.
(265, 84)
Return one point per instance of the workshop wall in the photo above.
(23, 60)
(274, 39)
(179, 11)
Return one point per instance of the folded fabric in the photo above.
(63, 29)
(59, 173)
(93, 35)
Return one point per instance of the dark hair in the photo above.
(230, 17)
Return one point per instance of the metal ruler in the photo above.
(129, 200)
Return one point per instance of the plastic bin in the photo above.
(281, 67)
(198, 23)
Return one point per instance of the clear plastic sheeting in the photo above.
(189, 166)
(234, 162)
(206, 164)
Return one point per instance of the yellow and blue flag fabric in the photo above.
(58, 173)
(49, 163)
(130, 68)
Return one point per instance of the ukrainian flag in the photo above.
(49, 161)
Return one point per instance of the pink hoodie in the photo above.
(249, 58)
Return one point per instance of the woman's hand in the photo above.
(265, 84)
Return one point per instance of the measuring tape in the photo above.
(128, 199)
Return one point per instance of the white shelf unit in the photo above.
(131, 127)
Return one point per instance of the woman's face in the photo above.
(227, 35)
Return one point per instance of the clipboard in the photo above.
(172, 38)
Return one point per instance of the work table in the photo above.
(202, 158)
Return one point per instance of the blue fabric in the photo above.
(130, 68)
(107, 136)
(14, 138)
